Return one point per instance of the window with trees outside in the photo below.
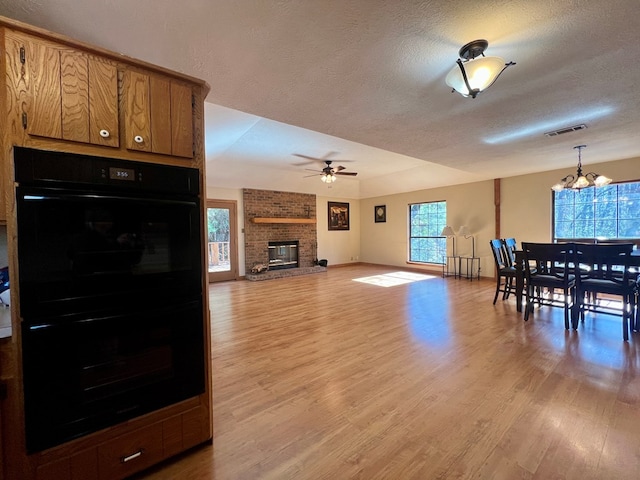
(426, 221)
(598, 213)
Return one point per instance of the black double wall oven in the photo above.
(110, 274)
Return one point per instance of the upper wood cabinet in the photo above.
(158, 114)
(67, 94)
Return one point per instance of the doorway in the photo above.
(222, 235)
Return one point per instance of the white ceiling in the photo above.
(363, 80)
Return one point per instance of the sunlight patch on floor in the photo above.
(394, 279)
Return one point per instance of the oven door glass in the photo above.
(86, 375)
(85, 251)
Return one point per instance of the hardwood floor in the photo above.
(324, 377)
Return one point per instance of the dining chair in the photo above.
(505, 270)
(510, 246)
(547, 268)
(604, 269)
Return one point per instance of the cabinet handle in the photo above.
(104, 133)
(133, 456)
(138, 139)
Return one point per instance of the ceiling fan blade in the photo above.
(308, 157)
(314, 175)
(351, 174)
(337, 169)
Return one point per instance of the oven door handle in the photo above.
(31, 197)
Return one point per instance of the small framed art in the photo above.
(380, 213)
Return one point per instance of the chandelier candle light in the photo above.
(477, 72)
(580, 180)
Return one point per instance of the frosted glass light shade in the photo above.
(481, 73)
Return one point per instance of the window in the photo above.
(608, 212)
(426, 221)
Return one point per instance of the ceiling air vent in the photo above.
(582, 126)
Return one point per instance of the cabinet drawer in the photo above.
(130, 453)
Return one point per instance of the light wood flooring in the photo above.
(324, 377)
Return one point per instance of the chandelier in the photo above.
(580, 180)
(477, 72)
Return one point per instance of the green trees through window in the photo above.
(426, 221)
(608, 212)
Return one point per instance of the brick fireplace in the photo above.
(275, 205)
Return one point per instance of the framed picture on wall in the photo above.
(380, 213)
(338, 216)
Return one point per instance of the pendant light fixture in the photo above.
(477, 72)
(580, 180)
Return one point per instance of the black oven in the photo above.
(110, 274)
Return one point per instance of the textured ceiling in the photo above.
(363, 80)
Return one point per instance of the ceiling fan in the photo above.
(329, 173)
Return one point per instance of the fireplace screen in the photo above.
(283, 254)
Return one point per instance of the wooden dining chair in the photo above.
(505, 270)
(604, 270)
(547, 269)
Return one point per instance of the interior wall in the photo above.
(525, 213)
(526, 199)
(338, 246)
(469, 204)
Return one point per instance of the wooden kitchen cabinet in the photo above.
(67, 94)
(63, 95)
(158, 114)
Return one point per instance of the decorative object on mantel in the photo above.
(447, 231)
(338, 216)
(475, 74)
(464, 231)
(580, 181)
(380, 213)
(259, 268)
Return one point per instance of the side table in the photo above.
(451, 266)
(472, 269)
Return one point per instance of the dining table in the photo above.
(634, 262)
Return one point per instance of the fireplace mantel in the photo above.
(282, 220)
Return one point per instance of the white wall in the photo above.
(525, 215)
(338, 246)
(526, 199)
(470, 204)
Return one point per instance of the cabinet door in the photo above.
(89, 88)
(158, 115)
(42, 72)
(103, 103)
(137, 114)
(181, 120)
(67, 94)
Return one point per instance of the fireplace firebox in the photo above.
(283, 254)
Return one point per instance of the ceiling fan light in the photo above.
(558, 187)
(324, 178)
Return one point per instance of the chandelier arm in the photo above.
(472, 92)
